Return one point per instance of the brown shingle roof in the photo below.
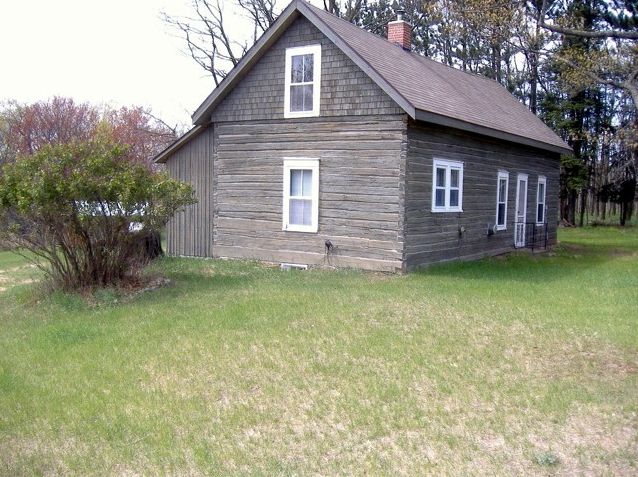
(425, 89)
(437, 88)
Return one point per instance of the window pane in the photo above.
(521, 194)
(296, 98)
(501, 214)
(541, 192)
(440, 177)
(501, 190)
(307, 97)
(296, 75)
(300, 212)
(308, 67)
(454, 177)
(540, 212)
(454, 198)
(307, 183)
(440, 198)
(296, 178)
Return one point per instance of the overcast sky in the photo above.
(117, 52)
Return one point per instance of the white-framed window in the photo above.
(301, 195)
(540, 200)
(303, 81)
(502, 191)
(447, 186)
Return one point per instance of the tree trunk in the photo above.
(151, 243)
(571, 207)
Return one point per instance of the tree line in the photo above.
(574, 63)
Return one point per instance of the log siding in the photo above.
(359, 183)
(433, 237)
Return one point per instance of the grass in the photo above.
(524, 364)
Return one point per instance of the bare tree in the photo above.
(209, 39)
(261, 12)
(347, 9)
(212, 43)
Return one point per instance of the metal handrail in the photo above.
(531, 230)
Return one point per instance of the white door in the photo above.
(521, 210)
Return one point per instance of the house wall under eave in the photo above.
(190, 232)
(434, 237)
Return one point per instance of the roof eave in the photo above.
(447, 121)
(204, 111)
(358, 60)
(176, 145)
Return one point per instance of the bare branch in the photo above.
(208, 39)
(616, 34)
(619, 35)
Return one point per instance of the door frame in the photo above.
(519, 230)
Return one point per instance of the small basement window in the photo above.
(303, 81)
(540, 200)
(301, 195)
(447, 186)
(501, 200)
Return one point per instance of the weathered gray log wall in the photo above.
(360, 177)
(433, 237)
(190, 232)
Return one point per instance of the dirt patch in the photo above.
(622, 253)
(591, 442)
(7, 282)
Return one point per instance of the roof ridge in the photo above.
(410, 52)
(420, 85)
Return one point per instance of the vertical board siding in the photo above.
(359, 182)
(190, 231)
(433, 237)
(345, 89)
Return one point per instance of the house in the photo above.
(327, 144)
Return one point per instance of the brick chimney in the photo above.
(400, 31)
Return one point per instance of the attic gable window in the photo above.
(447, 186)
(303, 81)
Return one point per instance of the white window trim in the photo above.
(316, 81)
(306, 164)
(502, 175)
(448, 165)
(541, 180)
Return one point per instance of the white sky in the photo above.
(117, 52)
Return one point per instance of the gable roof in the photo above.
(425, 89)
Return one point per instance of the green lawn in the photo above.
(525, 364)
